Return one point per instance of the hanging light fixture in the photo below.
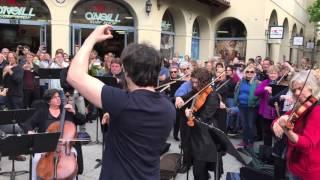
(148, 6)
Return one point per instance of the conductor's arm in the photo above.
(78, 76)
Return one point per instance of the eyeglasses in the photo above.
(185, 69)
(173, 71)
(250, 72)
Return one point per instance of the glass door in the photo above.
(24, 32)
(122, 36)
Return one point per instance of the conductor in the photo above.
(140, 118)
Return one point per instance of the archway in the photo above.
(231, 39)
(173, 33)
(200, 35)
(293, 49)
(285, 44)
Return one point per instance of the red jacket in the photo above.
(303, 158)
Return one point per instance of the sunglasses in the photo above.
(173, 71)
(250, 72)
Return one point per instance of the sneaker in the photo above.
(232, 133)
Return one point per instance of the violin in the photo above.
(61, 164)
(198, 103)
(300, 111)
(200, 100)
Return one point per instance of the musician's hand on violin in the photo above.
(70, 108)
(187, 112)
(282, 121)
(105, 119)
(222, 105)
(277, 129)
(179, 102)
(101, 33)
(268, 89)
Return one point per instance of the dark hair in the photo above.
(142, 64)
(116, 61)
(219, 64)
(231, 67)
(48, 94)
(203, 75)
(251, 60)
(268, 59)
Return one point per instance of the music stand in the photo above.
(276, 89)
(110, 81)
(45, 73)
(223, 144)
(27, 144)
(13, 117)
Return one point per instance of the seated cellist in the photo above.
(49, 111)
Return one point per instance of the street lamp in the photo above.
(148, 6)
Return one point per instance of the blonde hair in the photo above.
(273, 68)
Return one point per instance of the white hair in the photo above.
(311, 81)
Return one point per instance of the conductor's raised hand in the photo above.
(101, 33)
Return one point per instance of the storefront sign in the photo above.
(14, 12)
(276, 32)
(102, 18)
(297, 41)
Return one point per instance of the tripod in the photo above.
(14, 117)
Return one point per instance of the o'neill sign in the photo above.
(14, 12)
(102, 18)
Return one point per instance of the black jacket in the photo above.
(14, 82)
(40, 119)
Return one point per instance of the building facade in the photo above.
(198, 28)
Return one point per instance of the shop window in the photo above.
(195, 44)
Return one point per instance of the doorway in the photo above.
(32, 35)
(122, 36)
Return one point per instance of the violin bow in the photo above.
(205, 87)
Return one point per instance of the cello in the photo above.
(62, 163)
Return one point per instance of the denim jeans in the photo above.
(233, 115)
(248, 117)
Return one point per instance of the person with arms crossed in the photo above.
(140, 118)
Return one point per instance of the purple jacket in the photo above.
(265, 110)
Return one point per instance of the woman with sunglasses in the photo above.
(247, 103)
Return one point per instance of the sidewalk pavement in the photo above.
(93, 151)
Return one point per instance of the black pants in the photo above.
(176, 126)
(185, 139)
(200, 170)
(14, 102)
(267, 132)
(259, 133)
(279, 168)
(29, 95)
